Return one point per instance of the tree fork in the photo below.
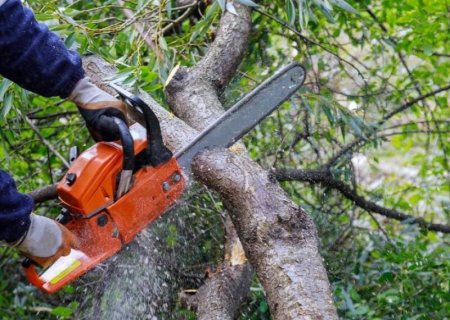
(287, 260)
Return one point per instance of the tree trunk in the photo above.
(279, 239)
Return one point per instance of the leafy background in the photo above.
(364, 60)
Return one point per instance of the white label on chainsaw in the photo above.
(138, 132)
(63, 266)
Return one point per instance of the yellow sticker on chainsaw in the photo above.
(75, 264)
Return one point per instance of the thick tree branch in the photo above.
(279, 238)
(193, 96)
(198, 86)
(324, 177)
(296, 287)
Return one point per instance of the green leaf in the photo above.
(290, 10)
(326, 9)
(222, 4)
(302, 18)
(70, 40)
(329, 115)
(248, 3)
(356, 127)
(263, 307)
(344, 5)
(4, 85)
(211, 10)
(169, 8)
(163, 44)
(62, 312)
(7, 104)
(361, 310)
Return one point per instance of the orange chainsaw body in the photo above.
(101, 223)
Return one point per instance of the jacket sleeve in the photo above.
(33, 56)
(15, 209)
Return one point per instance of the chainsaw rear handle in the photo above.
(31, 273)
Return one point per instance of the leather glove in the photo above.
(46, 240)
(97, 108)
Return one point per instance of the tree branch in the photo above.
(45, 142)
(323, 176)
(180, 19)
(141, 29)
(296, 287)
(401, 108)
(221, 295)
(44, 194)
(279, 239)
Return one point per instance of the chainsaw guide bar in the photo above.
(113, 190)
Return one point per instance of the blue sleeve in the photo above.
(15, 209)
(34, 57)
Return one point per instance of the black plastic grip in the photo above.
(127, 144)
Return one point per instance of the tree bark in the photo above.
(220, 297)
(279, 239)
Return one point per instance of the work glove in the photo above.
(46, 240)
(97, 108)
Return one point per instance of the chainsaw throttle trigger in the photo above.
(156, 152)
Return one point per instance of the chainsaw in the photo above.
(113, 190)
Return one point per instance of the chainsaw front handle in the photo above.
(128, 160)
(156, 152)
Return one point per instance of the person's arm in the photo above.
(41, 239)
(15, 209)
(37, 60)
(33, 56)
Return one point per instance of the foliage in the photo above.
(364, 60)
(397, 279)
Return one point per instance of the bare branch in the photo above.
(146, 35)
(44, 194)
(45, 142)
(180, 19)
(401, 108)
(324, 177)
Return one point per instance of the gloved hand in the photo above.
(97, 107)
(46, 240)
